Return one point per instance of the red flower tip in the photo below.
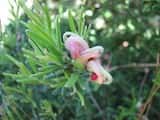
(94, 76)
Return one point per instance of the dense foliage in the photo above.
(39, 80)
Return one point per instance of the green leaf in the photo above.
(78, 65)
(12, 90)
(30, 14)
(81, 24)
(22, 67)
(47, 18)
(80, 97)
(58, 32)
(31, 81)
(72, 24)
(72, 80)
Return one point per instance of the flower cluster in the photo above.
(89, 57)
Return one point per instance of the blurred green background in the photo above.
(129, 31)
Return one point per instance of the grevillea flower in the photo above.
(98, 73)
(90, 57)
(74, 44)
(90, 54)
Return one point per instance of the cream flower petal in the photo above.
(102, 76)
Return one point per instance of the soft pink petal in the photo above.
(90, 57)
(90, 54)
(95, 67)
(74, 44)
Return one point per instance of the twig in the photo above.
(148, 102)
(134, 65)
(157, 86)
(96, 104)
(154, 90)
(143, 82)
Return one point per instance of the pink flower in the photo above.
(90, 57)
(98, 73)
(91, 54)
(74, 44)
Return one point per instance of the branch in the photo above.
(147, 105)
(134, 65)
(96, 104)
